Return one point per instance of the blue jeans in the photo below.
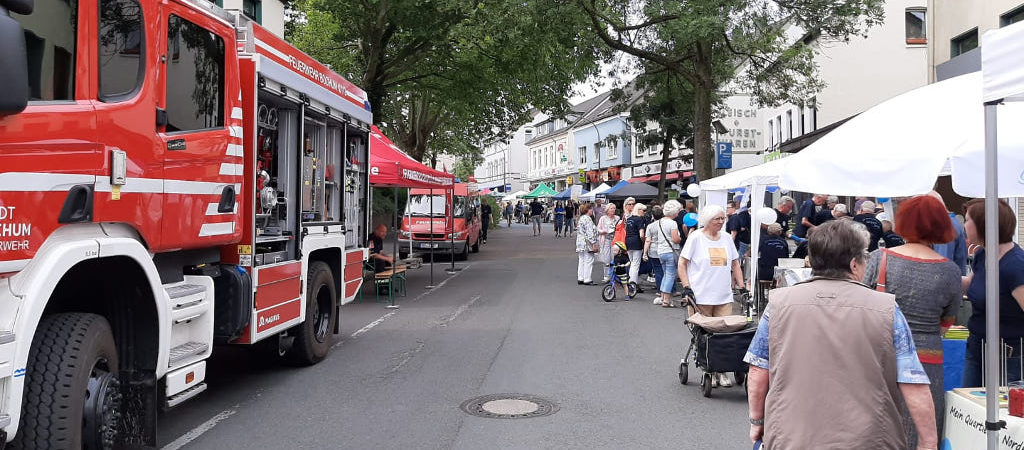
(670, 272)
(659, 273)
(973, 362)
(559, 221)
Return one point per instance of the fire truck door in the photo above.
(51, 147)
(200, 125)
(130, 190)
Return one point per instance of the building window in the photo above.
(771, 134)
(916, 28)
(597, 151)
(583, 154)
(963, 43)
(613, 151)
(802, 119)
(253, 9)
(778, 128)
(1012, 17)
(814, 113)
(789, 123)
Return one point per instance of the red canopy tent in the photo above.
(391, 167)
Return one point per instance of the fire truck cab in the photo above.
(172, 176)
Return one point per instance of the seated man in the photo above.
(773, 246)
(375, 242)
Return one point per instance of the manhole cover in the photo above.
(508, 406)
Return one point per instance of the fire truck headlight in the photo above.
(405, 234)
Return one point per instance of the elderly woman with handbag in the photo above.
(606, 227)
(586, 245)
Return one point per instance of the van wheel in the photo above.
(476, 246)
(72, 393)
(464, 255)
(314, 336)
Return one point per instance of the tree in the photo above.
(663, 116)
(443, 74)
(709, 43)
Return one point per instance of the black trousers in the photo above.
(484, 226)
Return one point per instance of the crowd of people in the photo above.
(561, 214)
(868, 325)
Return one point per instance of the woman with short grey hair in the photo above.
(668, 249)
(833, 337)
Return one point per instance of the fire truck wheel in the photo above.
(314, 336)
(72, 393)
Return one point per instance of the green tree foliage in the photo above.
(667, 102)
(443, 74)
(714, 45)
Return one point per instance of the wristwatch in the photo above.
(758, 422)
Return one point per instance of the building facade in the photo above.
(269, 13)
(895, 54)
(505, 162)
(954, 37)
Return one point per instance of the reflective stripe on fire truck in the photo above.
(211, 210)
(236, 131)
(36, 182)
(230, 169)
(13, 265)
(236, 113)
(235, 150)
(216, 229)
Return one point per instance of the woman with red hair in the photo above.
(926, 286)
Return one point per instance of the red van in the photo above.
(454, 222)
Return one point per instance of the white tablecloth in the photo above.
(965, 424)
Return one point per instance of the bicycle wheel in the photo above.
(608, 293)
(632, 289)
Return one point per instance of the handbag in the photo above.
(620, 232)
(880, 282)
(671, 244)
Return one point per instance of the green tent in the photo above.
(541, 191)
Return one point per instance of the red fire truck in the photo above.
(172, 176)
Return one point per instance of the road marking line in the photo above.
(192, 435)
(381, 319)
(462, 309)
(370, 325)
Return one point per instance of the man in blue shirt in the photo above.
(806, 215)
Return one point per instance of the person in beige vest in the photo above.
(841, 357)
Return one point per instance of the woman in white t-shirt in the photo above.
(709, 267)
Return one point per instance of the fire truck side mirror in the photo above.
(13, 59)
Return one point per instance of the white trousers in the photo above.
(634, 264)
(585, 269)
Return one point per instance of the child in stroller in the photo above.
(618, 274)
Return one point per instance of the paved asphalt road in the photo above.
(514, 321)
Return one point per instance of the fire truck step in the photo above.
(182, 396)
(184, 351)
(6, 337)
(5, 420)
(184, 290)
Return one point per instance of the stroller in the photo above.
(717, 344)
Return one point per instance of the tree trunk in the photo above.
(703, 148)
(666, 144)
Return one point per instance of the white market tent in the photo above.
(898, 147)
(513, 196)
(590, 196)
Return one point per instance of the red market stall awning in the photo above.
(391, 167)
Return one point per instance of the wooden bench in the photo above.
(392, 279)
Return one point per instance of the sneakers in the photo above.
(714, 380)
(651, 279)
(723, 380)
(657, 299)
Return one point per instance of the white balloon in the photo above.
(766, 215)
(693, 190)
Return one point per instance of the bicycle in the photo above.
(608, 291)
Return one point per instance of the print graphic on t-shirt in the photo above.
(718, 256)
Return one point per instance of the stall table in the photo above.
(965, 422)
